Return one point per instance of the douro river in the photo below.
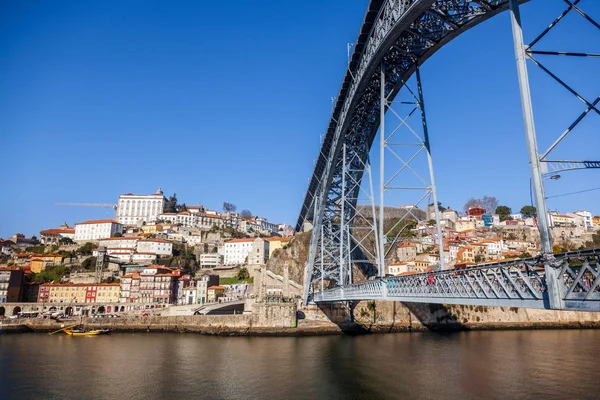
(508, 365)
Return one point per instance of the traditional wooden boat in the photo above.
(77, 330)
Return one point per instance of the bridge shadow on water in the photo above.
(434, 317)
(390, 317)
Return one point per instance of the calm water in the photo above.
(471, 365)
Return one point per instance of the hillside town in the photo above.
(157, 253)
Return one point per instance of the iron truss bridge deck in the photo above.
(519, 283)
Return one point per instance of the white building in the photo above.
(134, 209)
(128, 249)
(211, 260)
(192, 220)
(587, 217)
(96, 229)
(237, 250)
(156, 246)
(398, 268)
(495, 247)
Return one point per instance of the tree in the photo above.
(229, 207)
(472, 202)
(504, 212)
(431, 222)
(89, 263)
(478, 259)
(66, 241)
(246, 213)
(182, 208)
(440, 206)
(529, 211)
(171, 204)
(490, 203)
(242, 274)
(117, 234)
(86, 250)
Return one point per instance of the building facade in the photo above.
(94, 230)
(236, 251)
(52, 237)
(211, 260)
(136, 209)
(259, 253)
(11, 285)
(79, 293)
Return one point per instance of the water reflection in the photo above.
(467, 365)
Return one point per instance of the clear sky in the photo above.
(225, 101)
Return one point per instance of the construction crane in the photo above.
(113, 206)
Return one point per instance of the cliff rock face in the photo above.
(295, 254)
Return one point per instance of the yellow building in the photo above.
(152, 228)
(39, 262)
(214, 292)
(596, 222)
(79, 292)
(418, 266)
(277, 243)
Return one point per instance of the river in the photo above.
(511, 365)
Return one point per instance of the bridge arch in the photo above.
(16, 310)
(2, 311)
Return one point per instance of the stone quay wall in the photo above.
(266, 319)
(397, 317)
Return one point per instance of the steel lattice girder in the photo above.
(520, 283)
(401, 35)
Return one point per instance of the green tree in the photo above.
(242, 274)
(117, 234)
(504, 212)
(528, 211)
(86, 250)
(431, 222)
(171, 204)
(478, 259)
(66, 241)
(89, 263)
(39, 249)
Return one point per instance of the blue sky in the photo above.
(226, 101)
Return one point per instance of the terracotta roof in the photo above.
(78, 284)
(241, 240)
(98, 221)
(216, 287)
(119, 238)
(56, 231)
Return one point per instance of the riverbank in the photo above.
(332, 319)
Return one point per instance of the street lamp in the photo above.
(553, 177)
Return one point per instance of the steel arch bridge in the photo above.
(396, 37)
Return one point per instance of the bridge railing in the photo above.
(521, 281)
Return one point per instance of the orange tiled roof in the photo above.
(56, 231)
(241, 240)
(98, 221)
